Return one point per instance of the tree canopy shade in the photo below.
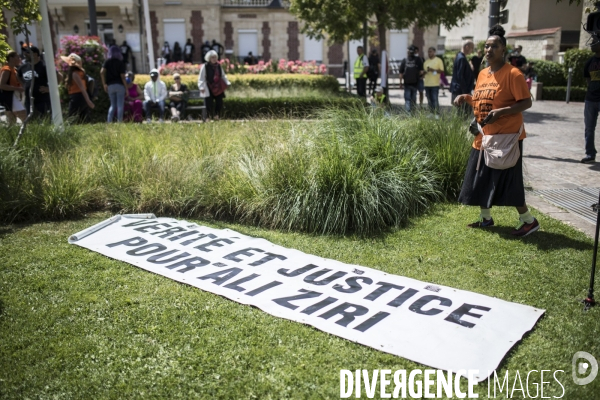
(341, 20)
(25, 12)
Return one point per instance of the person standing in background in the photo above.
(411, 70)
(9, 89)
(463, 79)
(433, 67)
(591, 72)
(188, 51)
(114, 83)
(41, 91)
(177, 52)
(374, 67)
(421, 85)
(126, 53)
(218, 47)
(476, 62)
(361, 67)
(166, 53)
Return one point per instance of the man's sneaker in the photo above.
(482, 223)
(588, 159)
(524, 229)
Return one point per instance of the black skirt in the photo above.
(493, 187)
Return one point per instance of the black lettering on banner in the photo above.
(185, 234)
(155, 259)
(325, 281)
(285, 301)
(316, 307)
(216, 243)
(299, 271)
(142, 222)
(235, 285)
(245, 252)
(348, 316)
(200, 236)
(222, 276)
(383, 288)
(267, 258)
(147, 249)
(372, 321)
(134, 241)
(263, 288)
(354, 286)
(155, 226)
(456, 315)
(417, 306)
(398, 301)
(190, 264)
(168, 232)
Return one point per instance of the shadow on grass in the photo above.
(544, 240)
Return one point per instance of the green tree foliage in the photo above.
(343, 19)
(25, 12)
(576, 59)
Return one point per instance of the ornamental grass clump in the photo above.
(349, 172)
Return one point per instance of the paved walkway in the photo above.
(552, 151)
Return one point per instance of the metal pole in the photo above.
(494, 12)
(148, 35)
(589, 301)
(569, 84)
(365, 38)
(50, 68)
(350, 68)
(93, 23)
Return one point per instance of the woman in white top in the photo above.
(212, 83)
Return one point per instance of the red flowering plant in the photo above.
(91, 50)
(262, 67)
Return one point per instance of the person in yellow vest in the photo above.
(361, 67)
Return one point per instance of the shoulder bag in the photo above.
(500, 151)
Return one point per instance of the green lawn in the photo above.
(75, 324)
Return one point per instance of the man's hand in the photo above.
(105, 87)
(44, 89)
(460, 100)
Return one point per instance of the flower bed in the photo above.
(234, 67)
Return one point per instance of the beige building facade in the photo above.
(543, 27)
(264, 27)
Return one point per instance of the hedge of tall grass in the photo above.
(349, 171)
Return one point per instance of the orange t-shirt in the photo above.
(12, 81)
(73, 88)
(500, 89)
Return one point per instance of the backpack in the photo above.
(410, 71)
(92, 89)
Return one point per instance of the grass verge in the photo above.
(75, 324)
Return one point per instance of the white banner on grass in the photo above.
(435, 325)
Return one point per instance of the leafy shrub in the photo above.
(560, 93)
(550, 73)
(576, 59)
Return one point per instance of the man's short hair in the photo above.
(35, 50)
(468, 42)
(432, 48)
(11, 54)
(360, 47)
